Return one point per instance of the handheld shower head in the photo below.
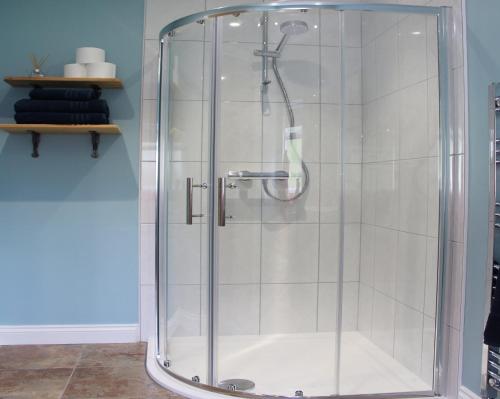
(293, 27)
(289, 28)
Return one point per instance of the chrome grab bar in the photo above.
(189, 200)
(247, 175)
(221, 196)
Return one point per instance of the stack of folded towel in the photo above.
(63, 106)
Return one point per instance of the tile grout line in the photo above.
(72, 372)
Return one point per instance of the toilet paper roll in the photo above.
(101, 70)
(75, 71)
(86, 55)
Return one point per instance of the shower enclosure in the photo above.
(302, 162)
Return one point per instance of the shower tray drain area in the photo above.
(237, 384)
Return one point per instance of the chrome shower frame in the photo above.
(443, 17)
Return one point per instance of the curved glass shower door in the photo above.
(183, 233)
(301, 199)
(276, 323)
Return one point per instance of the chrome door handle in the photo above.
(221, 196)
(189, 200)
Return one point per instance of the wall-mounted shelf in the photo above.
(37, 129)
(56, 81)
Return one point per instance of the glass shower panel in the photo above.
(185, 190)
(391, 164)
(278, 251)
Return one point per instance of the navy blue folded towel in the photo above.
(26, 105)
(62, 118)
(69, 93)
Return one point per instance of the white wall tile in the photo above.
(371, 112)
(352, 134)
(240, 132)
(327, 310)
(184, 247)
(185, 130)
(413, 121)
(367, 254)
(385, 261)
(413, 195)
(150, 70)
(369, 192)
(288, 308)
(187, 70)
(330, 75)
(329, 255)
(386, 61)
(352, 75)
(148, 192)
(239, 254)
(148, 130)
(239, 309)
(365, 310)
(307, 117)
(183, 312)
(299, 68)
(240, 73)
(432, 46)
(412, 50)
(148, 308)
(147, 253)
(351, 36)
(369, 73)
(384, 310)
(387, 195)
(408, 337)
(410, 284)
(330, 28)
(289, 253)
(330, 133)
(387, 127)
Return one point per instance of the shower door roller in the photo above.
(189, 200)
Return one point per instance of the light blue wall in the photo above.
(68, 222)
(483, 18)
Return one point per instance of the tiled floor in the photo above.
(77, 372)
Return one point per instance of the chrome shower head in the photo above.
(293, 27)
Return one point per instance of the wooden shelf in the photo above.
(59, 129)
(36, 130)
(57, 81)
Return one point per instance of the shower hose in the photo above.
(291, 119)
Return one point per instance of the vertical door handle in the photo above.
(189, 200)
(221, 196)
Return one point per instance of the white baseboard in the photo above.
(69, 334)
(465, 393)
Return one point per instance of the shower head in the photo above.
(289, 28)
(293, 27)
